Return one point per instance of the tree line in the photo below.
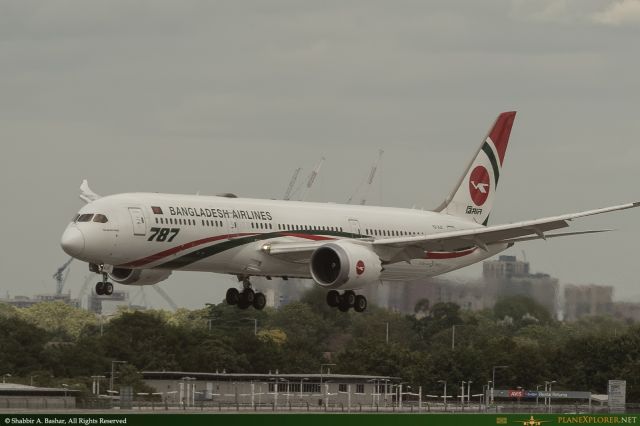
(51, 343)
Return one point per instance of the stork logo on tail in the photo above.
(479, 185)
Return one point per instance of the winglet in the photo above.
(86, 194)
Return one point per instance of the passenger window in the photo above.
(85, 217)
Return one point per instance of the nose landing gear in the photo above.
(247, 297)
(346, 300)
(104, 287)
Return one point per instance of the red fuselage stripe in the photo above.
(448, 254)
(174, 250)
(177, 249)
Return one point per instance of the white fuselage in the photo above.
(227, 235)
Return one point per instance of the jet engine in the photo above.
(344, 265)
(138, 276)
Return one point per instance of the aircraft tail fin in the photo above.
(473, 196)
(86, 194)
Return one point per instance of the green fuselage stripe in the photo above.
(487, 150)
(217, 248)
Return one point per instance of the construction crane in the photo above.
(165, 296)
(312, 178)
(61, 276)
(372, 175)
(292, 182)
(141, 297)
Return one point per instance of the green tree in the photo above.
(144, 340)
(65, 322)
(522, 311)
(21, 345)
(7, 310)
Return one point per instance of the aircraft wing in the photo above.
(484, 236)
(405, 248)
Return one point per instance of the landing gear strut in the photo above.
(104, 287)
(247, 297)
(346, 300)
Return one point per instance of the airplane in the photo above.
(141, 238)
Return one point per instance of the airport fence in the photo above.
(414, 407)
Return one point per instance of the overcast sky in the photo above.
(232, 96)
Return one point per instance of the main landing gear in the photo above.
(346, 300)
(247, 297)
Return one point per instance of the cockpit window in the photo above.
(100, 218)
(85, 217)
(75, 218)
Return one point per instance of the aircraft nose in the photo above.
(72, 241)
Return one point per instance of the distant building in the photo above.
(279, 292)
(403, 296)
(107, 304)
(191, 389)
(504, 277)
(504, 268)
(509, 276)
(587, 300)
(627, 311)
(16, 396)
(25, 302)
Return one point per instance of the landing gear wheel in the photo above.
(343, 306)
(108, 289)
(360, 304)
(349, 297)
(333, 298)
(100, 288)
(243, 304)
(248, 295)
(259, 301)
(233, 296)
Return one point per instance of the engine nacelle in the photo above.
(344, 265)
(138, 276)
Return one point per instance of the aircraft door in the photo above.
(354, 225)
(233, 226)
(137, 218)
